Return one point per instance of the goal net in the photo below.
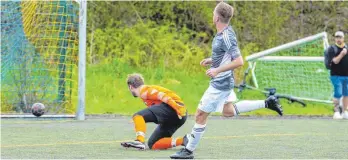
(295, 69)
(39, 55)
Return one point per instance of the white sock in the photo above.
(196, 135)
(246, 106)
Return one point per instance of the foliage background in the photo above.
(165, 41)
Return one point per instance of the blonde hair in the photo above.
(224, 11)
(135, 80)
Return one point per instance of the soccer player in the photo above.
(225, 58)
(165, 108)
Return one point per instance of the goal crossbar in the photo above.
(286, 46)
(292, 58)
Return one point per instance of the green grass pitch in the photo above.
(224, 138)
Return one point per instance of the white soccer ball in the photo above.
(38, 109)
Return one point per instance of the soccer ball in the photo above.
(38, 109)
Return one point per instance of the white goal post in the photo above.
(81, 105)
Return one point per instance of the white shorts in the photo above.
(213, 100)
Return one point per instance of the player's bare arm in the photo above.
(231, 66)
(206, 62)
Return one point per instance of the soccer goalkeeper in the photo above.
(165, 108)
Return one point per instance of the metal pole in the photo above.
(80, 114)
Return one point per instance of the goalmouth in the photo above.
(43, 58)
(296, 69)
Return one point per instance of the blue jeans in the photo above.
(340, 84)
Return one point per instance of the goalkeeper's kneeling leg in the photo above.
(165, 143)
(161, 138)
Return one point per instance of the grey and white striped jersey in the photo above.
(224, 50)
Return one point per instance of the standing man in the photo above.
(339, 75)
(225, 58)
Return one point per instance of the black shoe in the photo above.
(272, 103)
(182, 154)
(134, 144)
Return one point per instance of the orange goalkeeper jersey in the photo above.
(152, 94)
